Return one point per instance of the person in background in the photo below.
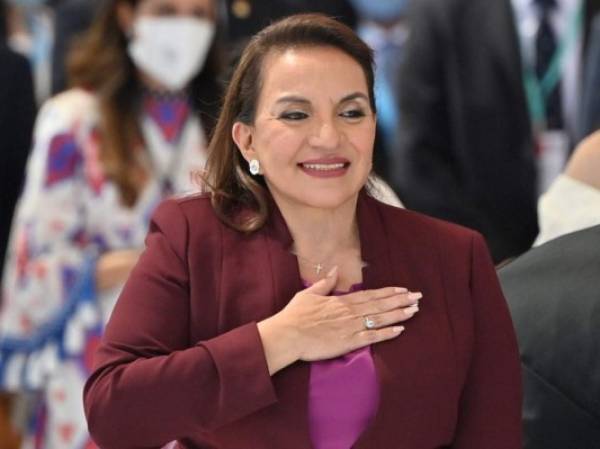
(552, 292)
(554, 37)
(487, 91)
(31, 33)
(131, 131)
(282, 308)
(383, 27)
(573, 200)
(17, 113)
(590, 109)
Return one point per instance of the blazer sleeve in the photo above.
(150, 384)
(490, 407)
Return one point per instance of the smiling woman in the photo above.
(288, 308)
(313, 131)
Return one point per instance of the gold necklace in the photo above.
(319, 267)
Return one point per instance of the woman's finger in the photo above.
(386, 319)
(375, 294)
(324, 286)
(387, 304)
(372, 336)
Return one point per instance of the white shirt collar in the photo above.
(568, 206)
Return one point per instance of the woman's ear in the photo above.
(242, 136)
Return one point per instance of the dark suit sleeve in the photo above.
(150, 384)
(589, 120)
(424, 164)
(490, 407)
(17, 114)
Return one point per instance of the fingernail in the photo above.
(400, 290)
(415, 295)
(411, 310)
(398, 329)
(332, 272)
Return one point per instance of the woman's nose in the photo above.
(326, 136)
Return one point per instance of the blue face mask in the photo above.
(380, 10)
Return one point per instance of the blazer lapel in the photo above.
(418, 365)
(379, 272)
(291, 384)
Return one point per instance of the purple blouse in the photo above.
(343, 397)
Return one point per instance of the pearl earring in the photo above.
(254, 167)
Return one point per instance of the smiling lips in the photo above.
(325, 168)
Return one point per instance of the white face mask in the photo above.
(171, 50)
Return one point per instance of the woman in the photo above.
(270, 312)
(106, 153)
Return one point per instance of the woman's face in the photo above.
(314, 128)
(169, 40)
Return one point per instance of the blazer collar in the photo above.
(373, 240)
(370, 227)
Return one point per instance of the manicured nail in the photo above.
(411, 310)
(401, 290)
(332, 272)
(398, 329)
(413, 296)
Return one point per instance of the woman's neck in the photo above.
(153, 85)
(323, 236)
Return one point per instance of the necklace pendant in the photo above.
(318, 268)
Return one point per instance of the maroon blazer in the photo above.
(182, 358)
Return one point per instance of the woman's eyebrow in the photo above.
(354, 96)
(298, 99)
(292, 99)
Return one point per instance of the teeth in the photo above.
(323, 167)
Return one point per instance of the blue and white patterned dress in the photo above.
(70, 214)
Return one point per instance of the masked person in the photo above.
(131, 131)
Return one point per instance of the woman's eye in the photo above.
(294, 115)
(353, 113)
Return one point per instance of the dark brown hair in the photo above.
(239, 199)
(99, 62)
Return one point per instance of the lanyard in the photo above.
(537, 90)
(165, 168)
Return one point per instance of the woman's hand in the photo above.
(114, 267)
(314, 326)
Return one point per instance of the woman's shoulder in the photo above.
(405, 219)
(67, 109)
(75, 99)
(188, 204)
(192, 209)
(406, 227)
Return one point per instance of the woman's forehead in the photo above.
(310, 70)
